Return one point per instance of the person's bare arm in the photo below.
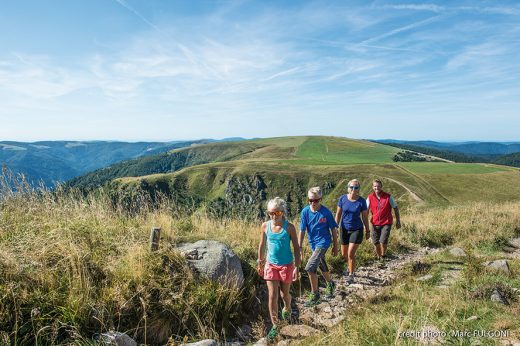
(334, 241)
(339, 213)
(397, 218)
(364, 216)
(261, 250)
(300, 241)
(296, 247)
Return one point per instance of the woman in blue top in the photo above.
(279, 270)
(352, 216)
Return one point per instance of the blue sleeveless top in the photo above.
(279, 245)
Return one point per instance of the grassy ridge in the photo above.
(290, 165)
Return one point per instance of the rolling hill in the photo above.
(236, 178)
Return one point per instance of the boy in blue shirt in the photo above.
(319, 223)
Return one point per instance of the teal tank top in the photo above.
(279, 245)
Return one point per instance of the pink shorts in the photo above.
(283, 273)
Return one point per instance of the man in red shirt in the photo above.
(380, 205)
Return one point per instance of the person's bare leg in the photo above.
(326, 276)
(352, 248)
(383, 249)
(272, 287)
(286, 295)
(313, 277)
(344, 253)
(379, 250)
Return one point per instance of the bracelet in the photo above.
(260, 261)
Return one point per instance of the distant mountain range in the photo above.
(470, 148)
(59, 161)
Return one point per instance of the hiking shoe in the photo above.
(273, 333)
(314, 299)
(286, 315)
(329, 290)
(350, 279)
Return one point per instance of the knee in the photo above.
(311, 268)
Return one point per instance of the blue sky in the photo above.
(168, 70)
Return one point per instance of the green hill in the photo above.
(236, 178)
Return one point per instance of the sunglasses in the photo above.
(354, 187)
(314, 200)
(273, 213)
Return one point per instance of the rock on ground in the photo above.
(500, 265)
(498, 297)
(214, 260)
(298, 331)
(457, 252)
(207, 342)
(116, 339)
(424, 278)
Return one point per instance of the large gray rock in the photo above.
(116, 339)
(500, 265)
(215, 261)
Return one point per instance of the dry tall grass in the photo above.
(73, 265)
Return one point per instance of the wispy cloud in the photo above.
(401, 29)
(511, 10)
(131, 9)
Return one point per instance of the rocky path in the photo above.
(370, 280)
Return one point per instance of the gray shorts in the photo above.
(380, 234)
(316, 260)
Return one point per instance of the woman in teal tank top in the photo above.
(281, 267)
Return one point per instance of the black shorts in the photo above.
(380, 234)
(351, 236)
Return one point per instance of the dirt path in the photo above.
(370, 281)
(413, 194)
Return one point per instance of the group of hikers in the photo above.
(279, 265)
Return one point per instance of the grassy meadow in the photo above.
(72, 266)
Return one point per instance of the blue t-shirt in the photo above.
(318, 225)
(351, 216)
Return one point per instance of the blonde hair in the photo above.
(353, 181)
(278, 204)
(315, 191)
